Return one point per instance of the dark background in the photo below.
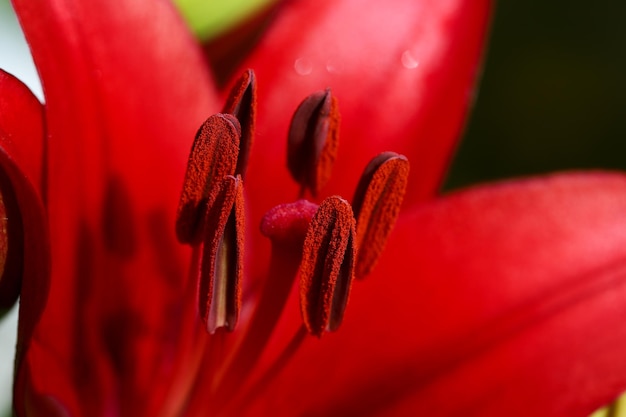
(552, 92)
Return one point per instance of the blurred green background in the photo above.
(552, 92)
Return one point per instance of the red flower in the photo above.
(498, 300)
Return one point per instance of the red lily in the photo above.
(448, 323)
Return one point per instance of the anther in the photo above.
(219, 287)
(241, 103)
(376, 205)
(213, 156)
(327, 267)
(313, 140)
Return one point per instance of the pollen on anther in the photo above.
(213, 156)
(327, 267)
(221, 270)
(376, 205)
(241, 103)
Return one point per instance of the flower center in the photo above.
(325, 245)
(338, 244)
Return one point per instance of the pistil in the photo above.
(286, 226)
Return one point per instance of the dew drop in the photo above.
(303, 66)
(334, 67)
(408, 60)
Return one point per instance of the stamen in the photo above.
(219, 288)
(286, 226)
(327, 267)
(241, 103)
(313, 141)
(376, 205)
(213, 156)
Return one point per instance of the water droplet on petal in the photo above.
(333, 66)
(408, 60)
(303, 66)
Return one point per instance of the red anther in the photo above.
(219, 287)
(241, 103)
(376, 205)
(327, 267)
(213, 156)
(313, 140)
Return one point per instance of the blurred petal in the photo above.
(501, 300)
(21, 121)
(21, 162)
(27, 268)
(402, 70)
(125, 89)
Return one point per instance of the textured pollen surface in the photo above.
(328, 249)
(376, 204)
(213, 156)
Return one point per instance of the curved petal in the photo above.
(126, 89)
(21, 121)
(402, 70)
(21, 146)
(27, 267)
(502, 300)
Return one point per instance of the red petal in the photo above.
(21, 120)
(357, 48)
(402, 70)
(503, 300)
(21, 145)
(27, 269)
(125, 89)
